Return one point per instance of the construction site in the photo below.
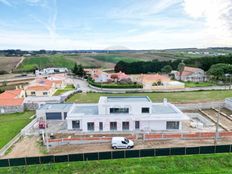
(207, 125)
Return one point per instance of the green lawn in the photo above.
(198, 84)
(66, 89)
(175, 97)
(11, 124)
(204, 164)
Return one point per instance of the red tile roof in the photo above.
(11, 98)
(189, 71)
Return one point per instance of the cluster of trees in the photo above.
(79, 70)
(166, 66)
(220, 71)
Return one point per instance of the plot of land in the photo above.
(11, 124)
(9, 63)
(204, 164)
(175, 97)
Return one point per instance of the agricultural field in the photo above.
(204, 164)
(29, 64)
(174, 97)
(9, 63)
(11, 124)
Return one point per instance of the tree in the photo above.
(166, 69)
(78, 70)
(181, 69)
(219, 71)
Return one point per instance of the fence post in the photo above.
(68, 157)
(8, 160)
(25, 161)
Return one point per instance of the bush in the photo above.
(113, 85)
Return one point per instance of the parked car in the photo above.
(121, 143)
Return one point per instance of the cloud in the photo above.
(217, 15)
(6, 2)
(135, 9)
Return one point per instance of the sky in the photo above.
(102, 24)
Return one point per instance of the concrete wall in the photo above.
(11, 109)
(197, 106)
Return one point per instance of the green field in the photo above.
(204, 164)
(11, 124)
(66, 89)
(115, 58)
(175, 97)
(31, 63)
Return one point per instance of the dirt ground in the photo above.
(26, 147)
(29, 146)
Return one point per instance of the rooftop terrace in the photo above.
(125, 99)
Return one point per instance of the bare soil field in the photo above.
(9, 63)
(25, 147)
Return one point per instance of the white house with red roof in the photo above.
(12, 101)
(43, 87)
(191, 74)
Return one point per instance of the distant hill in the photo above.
(117, 47)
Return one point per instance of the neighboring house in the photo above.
(11, 101)
(120, 76)
(116, 114)
(98, 75)
(48, 71)
(43, 87)
(157, 81)
(190, 74)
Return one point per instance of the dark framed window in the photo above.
(125, 125)
(145, 110)
(32, 93)
(90, 126)
(45, 93)
(137, 125)
(76, 124)
(101, 126)
(172, 125)
(119, 110)
(113, 126)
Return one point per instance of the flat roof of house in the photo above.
(128, 99)
(86, 110)
(163, 109)
(64, 107)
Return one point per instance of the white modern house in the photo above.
(117, 114)
(48, 71)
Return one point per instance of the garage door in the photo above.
(54, 116)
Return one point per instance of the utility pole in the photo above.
(46, 135)
(217, 126)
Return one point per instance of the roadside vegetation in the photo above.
(66, 89)
(11, 124)
(204, 164)
(198, 84)
(174, 97)
(114, 84)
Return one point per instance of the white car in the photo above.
(121, 143)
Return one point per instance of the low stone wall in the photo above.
(196, 106)
(11, 109)
(185, 136)
(83, 140)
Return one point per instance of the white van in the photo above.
(121, 143)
